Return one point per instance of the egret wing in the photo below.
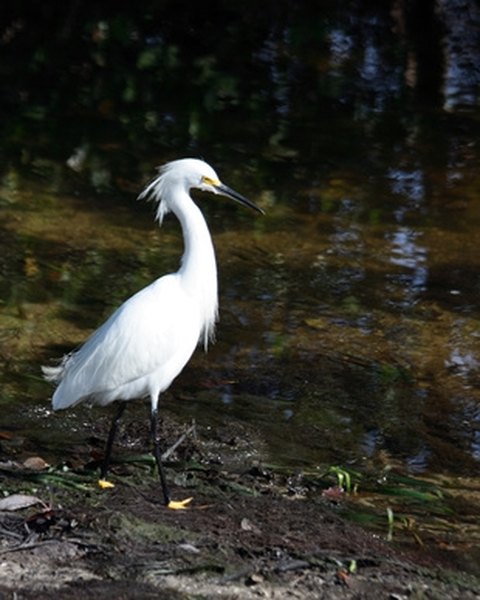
(155, 325)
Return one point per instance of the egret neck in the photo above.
(199, 267)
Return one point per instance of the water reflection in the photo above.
(461, 22)
(409, 184)
(406, 252)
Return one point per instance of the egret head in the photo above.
(185, 174)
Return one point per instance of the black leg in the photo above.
(158, 455)
(111, 436)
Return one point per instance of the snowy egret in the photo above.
(148, 340)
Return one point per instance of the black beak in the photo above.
(229, 193)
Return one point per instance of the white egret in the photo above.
(148, 340)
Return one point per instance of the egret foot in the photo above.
(105, 485)
(179, 504)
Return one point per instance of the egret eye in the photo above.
(210, 181)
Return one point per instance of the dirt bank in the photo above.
(248, 534)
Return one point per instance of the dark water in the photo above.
(349, 328)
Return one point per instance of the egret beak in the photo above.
(224, 190)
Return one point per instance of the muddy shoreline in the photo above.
(249, 534)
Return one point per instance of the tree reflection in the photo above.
(108, 84)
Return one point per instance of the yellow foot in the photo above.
(179, 504)
(105, 485)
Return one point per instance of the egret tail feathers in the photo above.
(56, 374)
(52, 374)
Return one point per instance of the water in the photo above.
(349, 326)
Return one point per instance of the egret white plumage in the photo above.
(148, 340)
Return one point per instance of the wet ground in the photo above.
(250, 533)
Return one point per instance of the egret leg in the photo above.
(173, 504)
(108, 448)
(158, 455)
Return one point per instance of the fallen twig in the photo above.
(11, 534)
(180, 440)
(28, 546)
